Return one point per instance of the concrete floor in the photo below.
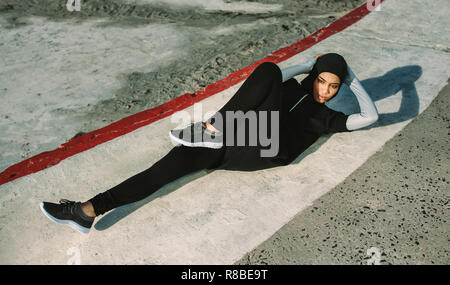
(276, 216)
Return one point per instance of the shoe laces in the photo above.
(68, 206)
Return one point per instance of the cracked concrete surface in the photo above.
(439, 47)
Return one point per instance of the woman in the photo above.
(302, 119)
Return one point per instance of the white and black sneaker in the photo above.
(69, 213)
(197, 134)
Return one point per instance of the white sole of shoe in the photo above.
(199, 144)
(70, 223)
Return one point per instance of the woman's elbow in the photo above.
(372, 119)
(358, 121)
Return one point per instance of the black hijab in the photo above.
(330, 62)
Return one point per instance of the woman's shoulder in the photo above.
(293, 85)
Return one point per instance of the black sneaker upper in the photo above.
(69, 210)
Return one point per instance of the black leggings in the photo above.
(260, 91)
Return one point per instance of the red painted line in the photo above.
(133, 122)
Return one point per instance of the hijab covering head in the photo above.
(330, 62)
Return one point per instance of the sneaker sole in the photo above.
(70, 223)
(201, 144)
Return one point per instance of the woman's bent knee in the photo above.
(270, 69)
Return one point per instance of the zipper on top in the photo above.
(298, 102)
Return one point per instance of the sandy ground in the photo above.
(396, 202)
(63, 73)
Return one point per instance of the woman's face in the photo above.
(326, 86)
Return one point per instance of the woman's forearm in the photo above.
(294, 70)
(369, 112)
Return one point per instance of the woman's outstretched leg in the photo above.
(180, 160)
